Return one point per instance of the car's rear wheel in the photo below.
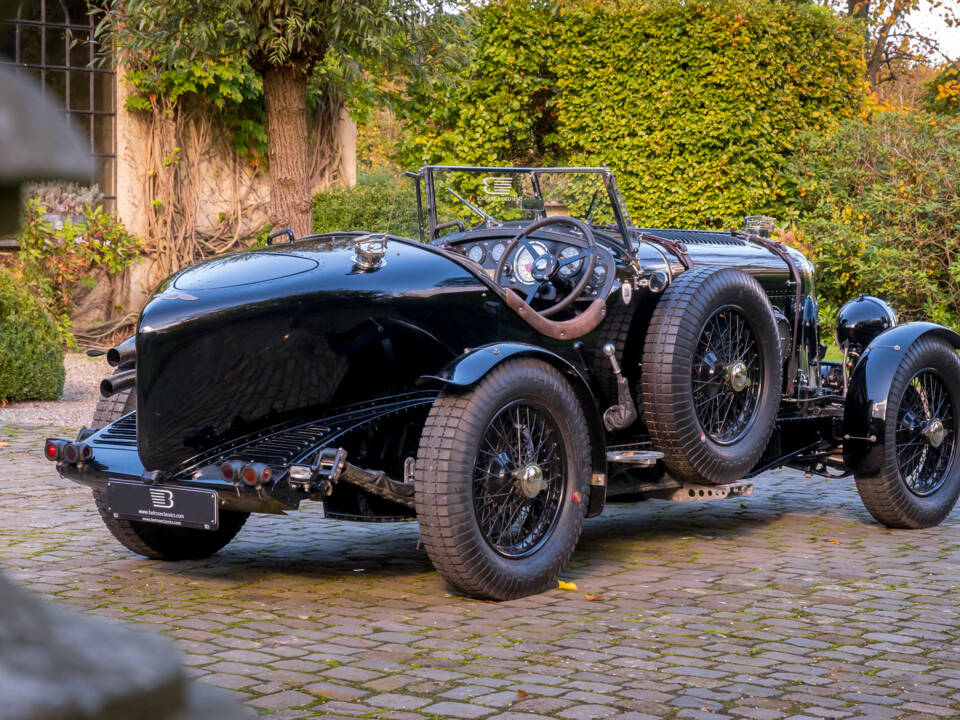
(711, 375)
(502, 475)
(919, 478)
(152, 540)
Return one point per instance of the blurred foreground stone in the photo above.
(56, 664)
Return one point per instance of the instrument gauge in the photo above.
(497, 252)
(477, 253)
(574, 267)
(523, 263)
(599, 275)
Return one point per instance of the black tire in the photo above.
(160, 542)
(114, 407)
(459, 527)
(166, 542)
(692, 433)
(918, 483)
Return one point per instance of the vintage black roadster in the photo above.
(530, 357)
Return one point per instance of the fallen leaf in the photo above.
(521, 694)
(594, 598)
(832, 541)
(566, 585)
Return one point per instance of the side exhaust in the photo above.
(123, 355)
(118, 382)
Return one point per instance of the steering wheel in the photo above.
(545, 266)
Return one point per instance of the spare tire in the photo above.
(711, 376)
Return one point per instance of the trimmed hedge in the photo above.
(695, 105)
(379, 202)
(31, 346)
(878, 212)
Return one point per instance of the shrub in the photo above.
(877, 211)
(695, 105)
(942, 94)
(31, 351)
(379, 202)
(53, 262)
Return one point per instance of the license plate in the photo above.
(183, 507)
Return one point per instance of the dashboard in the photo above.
(487, 252)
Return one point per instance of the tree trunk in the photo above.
(285, 95)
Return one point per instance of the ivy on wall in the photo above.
(695, 105)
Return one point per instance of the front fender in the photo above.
(865, 408)
(469, 368)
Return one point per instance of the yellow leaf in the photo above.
(566, 585)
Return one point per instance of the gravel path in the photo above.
(80, 394)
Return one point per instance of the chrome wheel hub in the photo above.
(738, 376)
(934, 432)
(531, 480)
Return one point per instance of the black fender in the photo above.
(865, 408)
(469, 368)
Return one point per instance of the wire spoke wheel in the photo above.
(727, 376)
(925, 433)
(519, 479)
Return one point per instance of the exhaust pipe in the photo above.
(123, 354)
(118, 382)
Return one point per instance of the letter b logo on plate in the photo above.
(161, 499)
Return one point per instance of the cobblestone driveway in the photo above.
(789, 603)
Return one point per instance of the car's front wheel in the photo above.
(919, 478)
(502, 476)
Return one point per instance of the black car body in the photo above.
(362, 371)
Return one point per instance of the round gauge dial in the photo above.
(599, 275)
(497, 251)
(476, 253)
(574, 267)
(523, 262)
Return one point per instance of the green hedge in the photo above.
(379, 202)
(878, 211)
(696, 105)
(31, 346)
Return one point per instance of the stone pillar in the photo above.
(132, 139)
(348, 149)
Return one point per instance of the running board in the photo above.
(691, 492)
(643, 458)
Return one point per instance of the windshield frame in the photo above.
(428, 224)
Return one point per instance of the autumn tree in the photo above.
(284, 41)
(894, 39)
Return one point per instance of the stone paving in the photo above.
(790, 603)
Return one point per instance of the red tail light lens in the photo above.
(249, 474)
(255, 474)
(71, 453)
(53, 449)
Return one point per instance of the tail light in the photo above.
(53, 449)
(256, 474)
(230, 471)
(74, 453)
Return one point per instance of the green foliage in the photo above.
(878, 212)
(942, 94)
(379, 202)
(31, 353)
(229, 84)
(218, 51)
(53, 262)
(695, 105)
